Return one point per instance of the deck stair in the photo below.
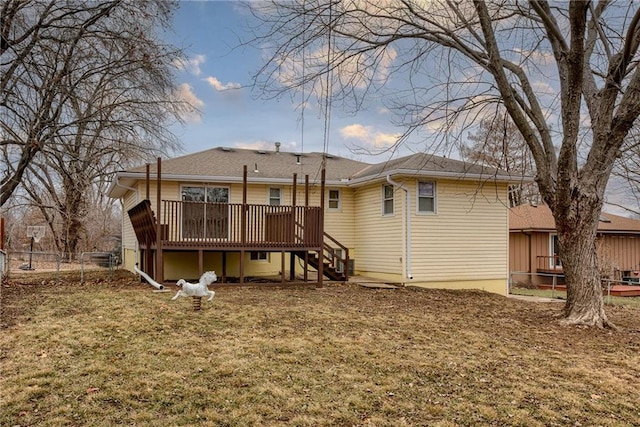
(331, 271)
(335, 259)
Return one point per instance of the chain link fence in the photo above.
(17, 263)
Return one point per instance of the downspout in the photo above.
(122, 223)
(408, 225)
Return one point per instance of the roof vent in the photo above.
(298, 161)
(277, 147)
(604, 219)
(262, 152)
(255, 169)
(227, 149)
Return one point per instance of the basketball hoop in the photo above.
(36, 232)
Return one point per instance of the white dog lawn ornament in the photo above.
(199, 289)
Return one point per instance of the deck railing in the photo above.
(549, 263)
(221, 224)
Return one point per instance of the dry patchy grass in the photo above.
(112, 352)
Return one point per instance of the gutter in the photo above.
(228, 179)
(408, 225)
(465, 176)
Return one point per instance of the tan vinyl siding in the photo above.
(467, 239)
(378, 238)
(128, 234)
(184, 265)
(340, 223)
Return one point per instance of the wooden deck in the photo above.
(616, 290)
(228, 227)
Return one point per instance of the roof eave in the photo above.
(437, 174)
(131, 177)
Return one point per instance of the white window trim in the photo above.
(259, 259)
(435, 198)
(339, 208)
(269, 195)
(204, 186)
(384, 199)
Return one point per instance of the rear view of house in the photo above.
(422, 219)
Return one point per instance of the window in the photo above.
(259, 256)
(275, 196)
(387, 200)
(427, 197)
(208, 215)
(334, 199)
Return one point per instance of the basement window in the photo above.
(259, 256)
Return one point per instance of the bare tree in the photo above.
(90, 90)
(498, 143)
(458, 57)
(84, 71)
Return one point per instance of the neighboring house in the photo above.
(533, 245)
(422, 220)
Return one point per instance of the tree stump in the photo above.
(197, 303)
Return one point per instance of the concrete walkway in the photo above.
(534, 299)
(368, 282)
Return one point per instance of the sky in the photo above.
(217, 78)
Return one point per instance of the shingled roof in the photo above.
(429, 164)
(539, 218)
(229, 162)
(223, 164)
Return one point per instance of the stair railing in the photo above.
(330, 255)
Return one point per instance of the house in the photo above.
(534, 253)
(421, 219)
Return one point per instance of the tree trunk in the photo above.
(578, 252)
(72, 217)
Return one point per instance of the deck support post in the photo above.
(306, 205)
(282, 263)
(147, 191)
(200, 262)
(147, 255)
(292, 258)
(321, 229)
(224, 267)
(243, 223)
(159, 276)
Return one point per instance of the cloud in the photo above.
(185, 93)
(539, 56)
(219, 86)
(191, 65)
(355, 132)
(367, 136)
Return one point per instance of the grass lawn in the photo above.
(113, 352)
(631, 302)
